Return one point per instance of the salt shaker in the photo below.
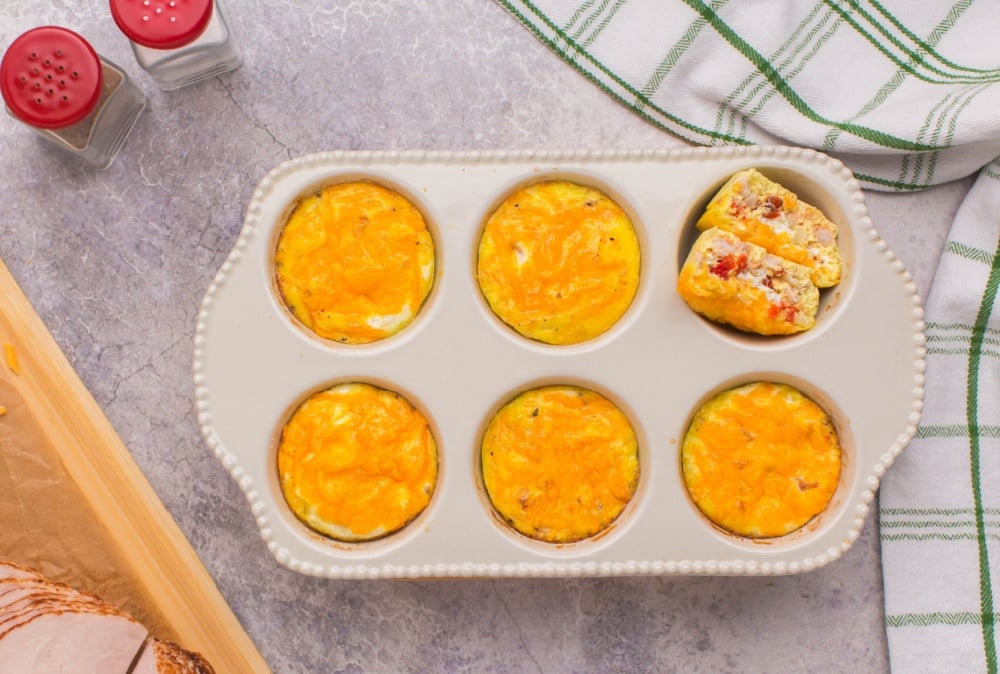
(53, 81)
(178, 42)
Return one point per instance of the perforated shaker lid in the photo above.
(51, 77)
(162, 24)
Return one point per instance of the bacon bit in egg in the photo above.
(11, 355)
(790, 311)
(772, 206)
(728, 265)
(803, 485)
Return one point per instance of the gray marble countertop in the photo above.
(116, 264)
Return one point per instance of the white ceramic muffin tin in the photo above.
(863, 362)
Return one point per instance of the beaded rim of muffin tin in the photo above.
(619, 553)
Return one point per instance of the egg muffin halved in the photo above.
(559, 262)
(355, 262)
(761, 460)
(761, 211)
(729, 280)
(356, 462)
(560, 463)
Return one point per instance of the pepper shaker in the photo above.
(53, 81)
(178, 42)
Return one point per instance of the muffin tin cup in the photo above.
(863, 362)
(616, 527)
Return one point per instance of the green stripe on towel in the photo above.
(935, 618)
(972, 413)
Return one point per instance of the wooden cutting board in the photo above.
(74, 504)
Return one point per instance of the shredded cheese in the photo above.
(11, 355)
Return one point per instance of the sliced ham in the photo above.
(22, 597)
(12, 570)
(84, 642)
(51, 627)
(13, 591)
(165, 657)
(16, 618)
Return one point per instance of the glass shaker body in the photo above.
(56, 84)
(178, 42)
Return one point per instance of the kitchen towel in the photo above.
(939, 505)
(907, 94)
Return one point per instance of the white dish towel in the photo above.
(907, 94)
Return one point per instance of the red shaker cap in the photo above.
(51, 77)
(162, 24)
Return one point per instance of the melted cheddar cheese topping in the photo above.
(10, 354)
(355, 262)
(559, 262)
(356, 462)
(761, 460)
(560, 463)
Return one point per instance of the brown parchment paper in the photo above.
(75, 506)
(48, 524)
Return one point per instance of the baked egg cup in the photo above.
(558, 262)
(356, 462)
(560, 463)
(761, 460)
(354, 262)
